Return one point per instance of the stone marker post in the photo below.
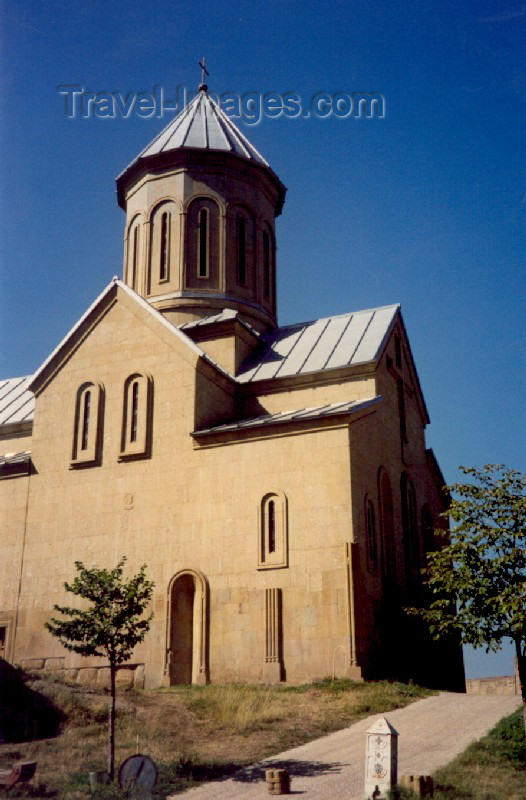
(381, 759)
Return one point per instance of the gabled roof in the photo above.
(17, 402)
(346, 340)
(60, 353)
(286, 417)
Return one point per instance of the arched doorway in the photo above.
(187, 629)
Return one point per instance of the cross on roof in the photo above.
(204, 72)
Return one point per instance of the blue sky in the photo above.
(426, 207)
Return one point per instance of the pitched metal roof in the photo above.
(17, 403)
(10, 459)
(346, 340)
(202, 125)
(222, 316)
(299, 415)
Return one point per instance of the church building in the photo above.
(274, 480)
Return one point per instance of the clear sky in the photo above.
(425, 206)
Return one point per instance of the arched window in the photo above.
(241, 225)
(271, 522)
(134, 411)
(385, 499)
(410, 528)
(132, 272)
(87, 436)
(202, 260)
(161, 242)
(137, 417)
(273, 531)
(370, 536)
(164, 254)
(86, 403)
(267, 265)
(202, 255)
(401, 410)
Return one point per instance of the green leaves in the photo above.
(483, 567)
(110, 626)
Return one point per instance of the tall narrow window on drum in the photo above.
(203, 243)
(266, 265)
(241, 250)
(271, 526)
(163, 263)
(135, 257)
(85, 420)
(134, 411)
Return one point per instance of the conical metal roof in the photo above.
(203, 125)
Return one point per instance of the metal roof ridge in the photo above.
(339, 316)
(217, 115)
(245, 143)
(234, 133)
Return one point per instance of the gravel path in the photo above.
(431, 733)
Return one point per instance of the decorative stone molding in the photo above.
(273, 666)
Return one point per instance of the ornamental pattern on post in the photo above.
(381, 759)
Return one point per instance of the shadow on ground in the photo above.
(24, 713)
(256, 774)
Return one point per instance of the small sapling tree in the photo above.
(482, 566)
(110, 626)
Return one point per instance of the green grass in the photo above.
(194, 733)
(494, 768)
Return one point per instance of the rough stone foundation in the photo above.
(127, 677)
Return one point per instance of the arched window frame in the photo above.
(203, 243)
(273, 531)
(371, 536)
(88, 422)
(202, 269)
(133, 254)
(267, 264)
(137, 417)
(164, 246)
(241, 249)
(400, 391)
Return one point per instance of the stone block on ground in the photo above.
(87, 676)
(278, 781)
(103, 677)
(138, 677)
(32, 663)
(53, 664)
(124, 678)
(421, 785)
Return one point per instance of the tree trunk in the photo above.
(111, 724)
(521, 665)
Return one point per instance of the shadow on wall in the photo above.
(24, 713)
